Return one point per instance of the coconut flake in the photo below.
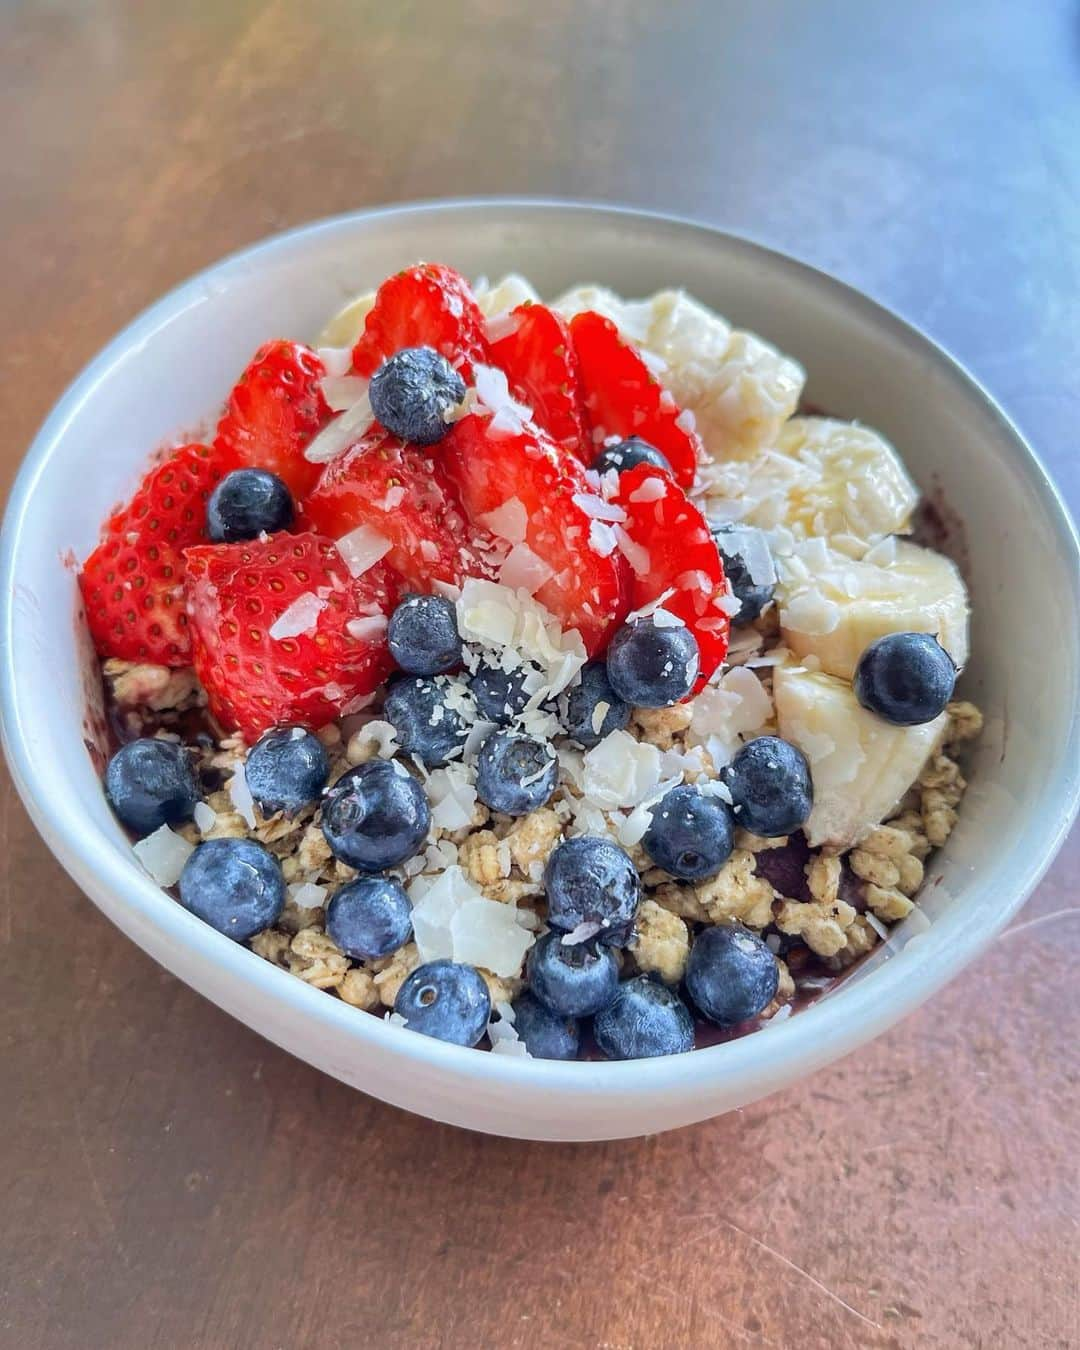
(635, 554)
(298, 618)
(620, 771)
(241, 798)
(163, 854)
(342, 432)
(367, 629)
(602, 539)
(663, 618)
(336, 361)
(362, 548)
(509, 417)
(452, 920)
(307, 895)
(524, 570)
(205, 817)
(651, 490)
(508, 521)
(452, 794)
(343, 391)
(597, 508)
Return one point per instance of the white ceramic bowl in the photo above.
(175, 364)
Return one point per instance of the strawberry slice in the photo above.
(274, 412)
(282, 632)
(131, 583)
(429, 305)
(588, 585)
(624, 398)
(537, 354)
(403, 494)
(672, 549)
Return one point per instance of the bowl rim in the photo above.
(842, 1024)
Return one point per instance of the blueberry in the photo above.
(412, 392)
(592, 881)
(286, 770)
(748, 567)
(423, 635)
(731, 974)
(572, 980)
(369, 917)
(581, 704)
(629, 454)
(500, 695)
(445, 1000)
(691, 835)
(234, 885)
(247, 503)
(545, 1033)
(151, 783)
(515, 773)
(769, 782)
(650, 666)
(643, 1020)
(905, 678)
(375, 816)
(427, 724)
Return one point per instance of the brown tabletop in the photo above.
(173, 1180)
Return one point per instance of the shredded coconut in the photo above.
(362, 548)
(163, 854)
(298, 618)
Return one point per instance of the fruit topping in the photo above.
(905, 678)
(447, 1000)
(652, 665)
(247, 503)
(375, 816)
(132, 583)
(691, 833)
(645, 1019)
(731, 974)
(234, 885)
(413, 392)
(423, 635)
(369, 917)
(624, 398)
(574, 980)
(532, 345)
(428, 305)
(275, 411)
(515, 773)
(150, 783)
(592, 890)
(286, 770)
(283, 633)
(770, 786)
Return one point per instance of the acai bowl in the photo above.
(864, 367)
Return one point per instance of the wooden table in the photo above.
(174, 1181)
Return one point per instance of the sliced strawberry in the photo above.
(588, 589)
(131, 583)
(329, 651)
(672, 549)
(538, 356)
(429, 305)
(274, 412)
(624, 398)
(403, 494)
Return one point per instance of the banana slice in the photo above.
(860, 764)
(344, 329)
(739, 388)
(858, 484)
(507, 294)
(833, 607)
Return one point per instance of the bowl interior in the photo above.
(169, 372)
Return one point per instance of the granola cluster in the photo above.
(836, 911)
